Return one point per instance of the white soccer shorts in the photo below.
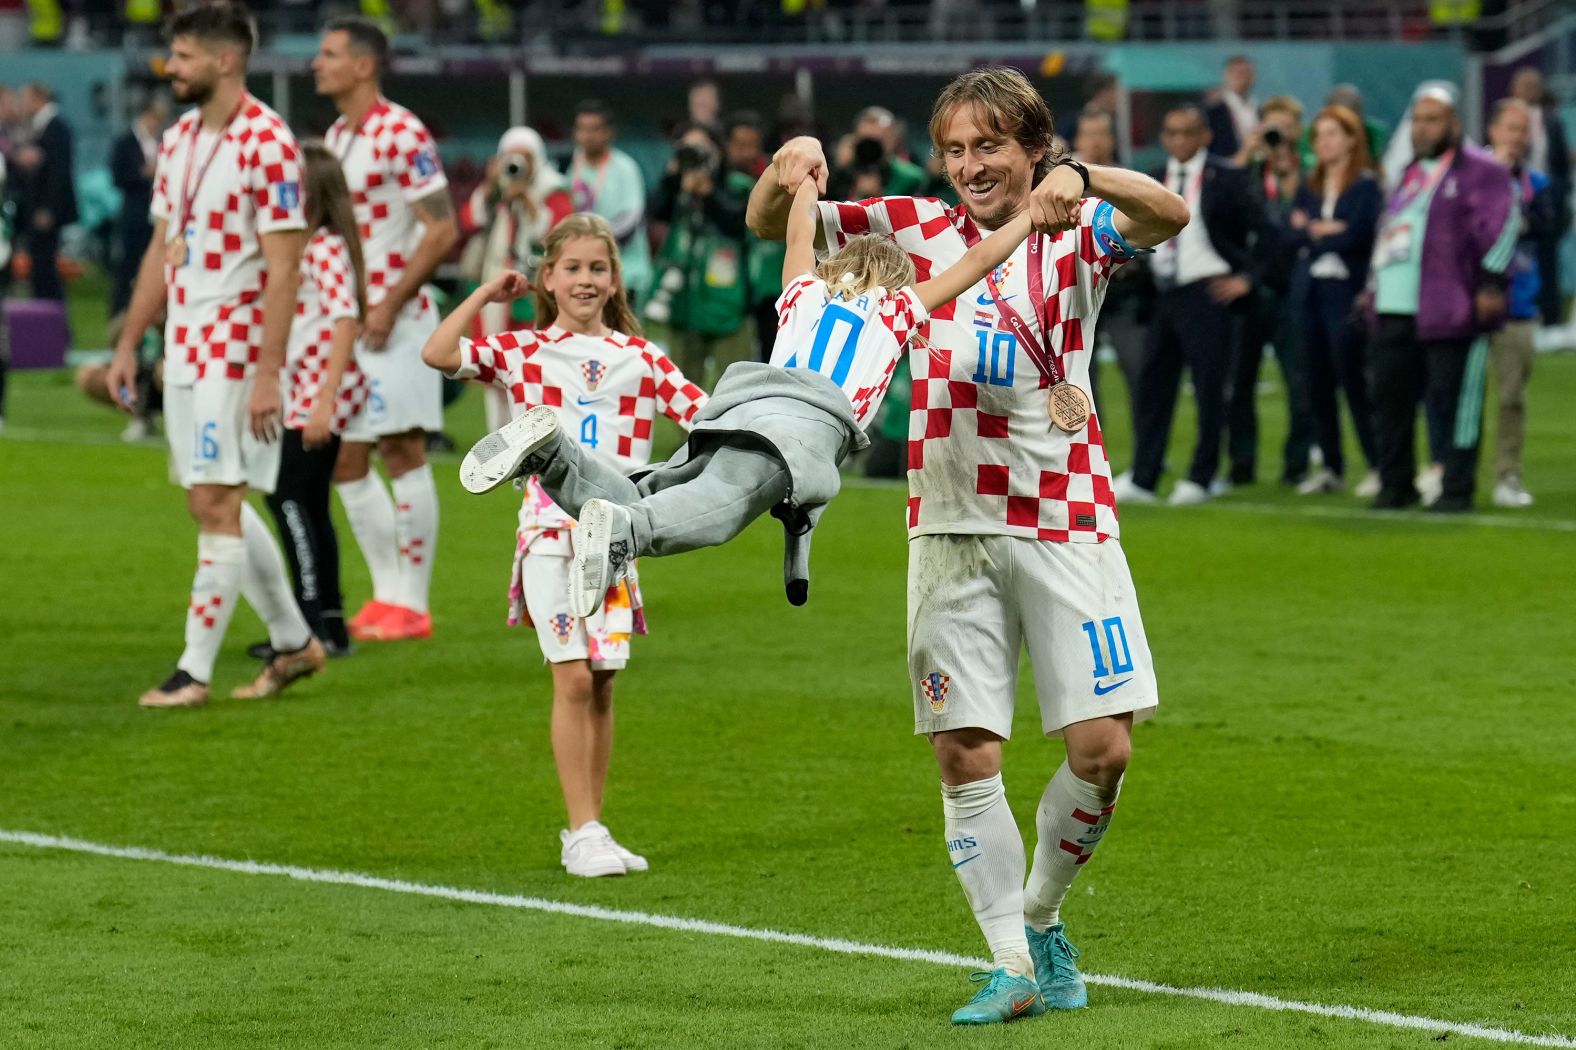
(402, 392)
(210, 437)
(562, 635)
(974, 602)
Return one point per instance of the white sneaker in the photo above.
(514, 449)
(1187, 493)
(1125, 491)
(1431, 483)
(1510, 493)
(604, 545)
(589, 851)
(1369, 487)
(1220, 486)
(139, 429)
(1319, 482)
(632, 861)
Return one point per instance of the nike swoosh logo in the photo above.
(1101, 690)
(965, 860)
(587, 400)
(1019, 1006)
(986, 300)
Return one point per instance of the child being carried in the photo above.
(772, 436)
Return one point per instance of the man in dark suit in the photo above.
(131, 161)
(1550, 153)
(1201, 277)
(1232, 112)
(50, 200)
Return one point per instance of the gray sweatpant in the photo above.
(702, 502)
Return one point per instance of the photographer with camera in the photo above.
(701, 291)
(869, 162)
(507, 219)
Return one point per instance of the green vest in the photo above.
(716, 291)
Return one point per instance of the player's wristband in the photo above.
(1068, 162)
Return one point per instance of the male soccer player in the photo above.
(407, 228)
(227, 239)
(1012, 525)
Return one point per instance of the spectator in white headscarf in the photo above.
(508, 217)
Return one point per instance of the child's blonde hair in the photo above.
(865, 262)
(617, 314)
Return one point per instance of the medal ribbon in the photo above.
(1050, 366)
(188, 190)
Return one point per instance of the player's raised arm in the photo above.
(772, 198)
(800, 258)
(443, 347)
(975, 264)
(1146, 212)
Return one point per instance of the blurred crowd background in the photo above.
(530, 99)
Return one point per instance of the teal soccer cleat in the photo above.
(1055, 969)
(1005, 997)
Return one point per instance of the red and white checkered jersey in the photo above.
(327, 294)
(389, 161)
(856, 343)
(214, 325)
(983, 455)
(607, 389)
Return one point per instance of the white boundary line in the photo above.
(1225, 996)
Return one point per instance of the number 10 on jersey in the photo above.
(1001, 351)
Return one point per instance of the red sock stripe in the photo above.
(1073, 848)
(1083, 816)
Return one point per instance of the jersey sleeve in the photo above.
(903, 313)
(163, 203)
(498, 359)
(413, 158)
(274, 177)
(328, 261)
(677, 398)
(1098, 235)
(1098, 250)
(788, 303)
(910, 221)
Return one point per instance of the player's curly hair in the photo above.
(865, 262)
(617, 314)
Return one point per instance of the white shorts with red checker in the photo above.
(563, 636)
(402, 392)
(210, 437)
(974, 603)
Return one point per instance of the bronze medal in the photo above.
(1069, 407)
(175, 253)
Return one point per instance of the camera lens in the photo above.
(1273, 136)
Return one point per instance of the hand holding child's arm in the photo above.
(975, 264)
(443, 349)
(800, 258)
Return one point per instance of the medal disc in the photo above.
(175, 253)
(1069, 407)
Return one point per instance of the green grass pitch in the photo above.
(1359, 789)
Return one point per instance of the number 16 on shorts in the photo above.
(1108, 644)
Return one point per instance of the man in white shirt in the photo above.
(1199, 277)
(1233, 112)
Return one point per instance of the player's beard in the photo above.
(192, 92)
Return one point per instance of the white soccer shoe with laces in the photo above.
(589, 851)
(520, 447)
(604, 546)
(632, 861)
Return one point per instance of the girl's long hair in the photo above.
(617, 314)
(865, 262)
(328, 207)
(1360, 161)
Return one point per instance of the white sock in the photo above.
(220, 562)
(266, 586)
(416, 526)
(1072, 820)
(987, 854)
(371, 513)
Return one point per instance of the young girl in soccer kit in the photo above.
(322, 391)
(772, 436)
(589, 363)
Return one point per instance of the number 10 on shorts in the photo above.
(1115, 658)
